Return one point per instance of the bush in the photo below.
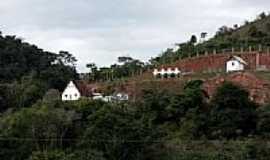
(232, 113)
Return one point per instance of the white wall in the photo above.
(71, 93)
(234, 65)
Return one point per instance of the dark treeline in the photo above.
(161, 125)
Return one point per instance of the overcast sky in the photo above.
(101, 30)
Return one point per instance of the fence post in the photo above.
(214, 51)
(206, 53)
(260, 48)
(249, 49)
(232, 49)
(241, 49)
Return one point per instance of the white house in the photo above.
(235, 63)
(71, 93)
(75, 92)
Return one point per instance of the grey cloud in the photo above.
(101, 30)
(248, 3)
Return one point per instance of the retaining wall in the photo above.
(217, 62)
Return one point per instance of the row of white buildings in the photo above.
(167, 72)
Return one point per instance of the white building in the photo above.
(169, 72)
(74, 92)
(235, 63)
(97, 96)
(71, 93)
(121, 97)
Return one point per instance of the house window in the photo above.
(66, 95)
(75, 95)
(232, 63)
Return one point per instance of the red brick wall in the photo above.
(217, 62)
(259, 89)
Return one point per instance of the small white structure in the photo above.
(97, 96)
(235, 63)
(74, 92)
(121, 97)
(71, 93)
(169, 72)
(108, 99)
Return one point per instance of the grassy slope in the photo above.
(261, 25)
(242, 33)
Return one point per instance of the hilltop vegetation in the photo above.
(257, 31)
(252, 34)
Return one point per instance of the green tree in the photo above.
(263, 122)
(118, 133)
(67, 58)
(162, 106)
(125, 59)
(193, 39)
(34, 129)
(262, 15)
(232, 113)
(93, 71)
(194, 119)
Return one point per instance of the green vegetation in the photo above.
(162, 125)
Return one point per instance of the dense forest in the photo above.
(36, 125)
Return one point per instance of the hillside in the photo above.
(247, 31)
(251, 34)
(210, 68)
